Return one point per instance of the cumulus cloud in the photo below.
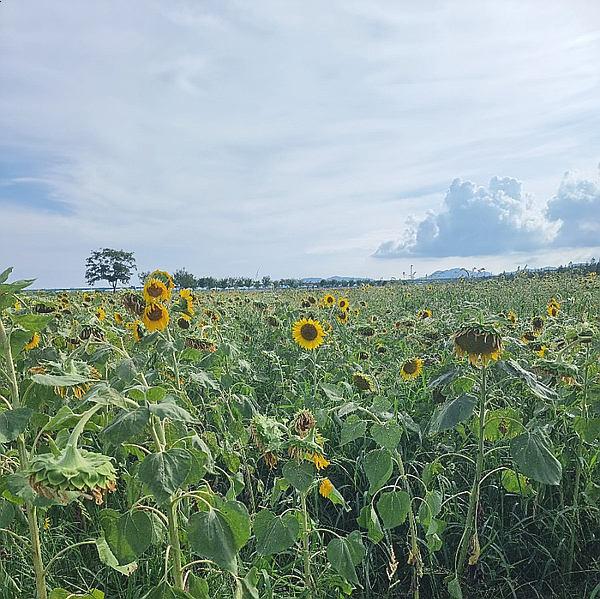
(475, 221)
(576, 206)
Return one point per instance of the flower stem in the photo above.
(308, 581)
(463, 547)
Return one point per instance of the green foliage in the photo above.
(113, 266)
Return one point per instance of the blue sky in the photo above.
(298, 138)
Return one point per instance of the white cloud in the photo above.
(475, 221)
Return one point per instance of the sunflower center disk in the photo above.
(155, 313)
(309, 332)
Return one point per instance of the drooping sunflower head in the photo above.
(423, 314)
(411, 368)
(308, 333)
(537, 324)
(267, 434)
(134, 304)
(33, 342)
(553, 310)
(477, 340)
(156, 317)
(343, 304)
(363, 382)
(366, 331)
(303, 422)
(155, 291)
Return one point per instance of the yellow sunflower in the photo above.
(186, 294)
(329, 300)
(100, 314)
(308, 334)
(118, 317)
(363, 382)
(320, 461)
(155, 291)
(553, 310)
(165, 278)
(411, 368)
(343, 304)
(33, 342)
(325, 488)
(342, 317)
(423, 314)
(512, 317)
(537, 322)
(156, 317)
(135, 327)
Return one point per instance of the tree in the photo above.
(109, 265)
(184, 279)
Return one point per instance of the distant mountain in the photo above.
(456, 273)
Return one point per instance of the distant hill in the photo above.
(335, 279)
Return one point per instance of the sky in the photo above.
(298, 138)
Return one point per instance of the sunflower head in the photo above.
(366, 331)
(362, 382)
(134, 304)
(73, 472)
(342, 317)
(308, 333)
(303, 422)
(33, 342)
(118, 318)
(155, 317)
(325, 488)
(165, 278)
(411, 368)
(552, 310)
(424, 314)
(329, 300)
(183, 322)
(343, 304)
(537, 323)
(155, 291)
(477, 340)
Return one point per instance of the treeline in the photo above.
(186, 280)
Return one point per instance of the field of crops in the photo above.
(409, 440)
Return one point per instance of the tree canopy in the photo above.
(109, 265)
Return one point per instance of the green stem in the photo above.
(308, 581)
(463, 547)
(175, 545)
(34, 533)
(412, 526)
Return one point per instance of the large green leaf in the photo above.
(378, 467)
(198, 587)
(387, 435)
(13, 423)
(170, 410)
(127, 535)
(126, 424)
(352, 429)
(32, 322)
(275, 534)
(236, 515)
(301, 475)
(515, 370)
(107, 557)
(18, 340)
(345, 554)
(15, 285)
(60, 380)
(368, 519)
(164, 472)
(211, 537)
(393, 508)
(453, 412)
(534, 458)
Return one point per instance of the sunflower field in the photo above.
(410, 440)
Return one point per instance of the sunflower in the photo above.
(33, 342)
(166, 278)
(133, 303)
(17, 305)
(320, 461)
(155, 291)
(478, 340)
(423, 314)
(329, 300)
(187, 296)
(342, 317)
(343, 304)
(326, 328)
(118, 318)
(135, 327)
(362, 382)
(325, 488)
(553, 310)
(100, 314)
(411, 368)
(308, 334)
(183, 322)
(528, 337)
(304, 422)
(537, 324)
(512, 318)
(156, 317)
